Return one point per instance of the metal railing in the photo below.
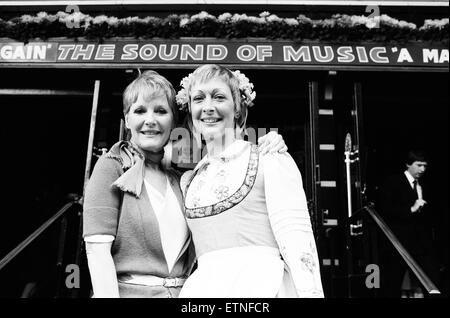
(59, 215)
(426, 282)
(19, 248)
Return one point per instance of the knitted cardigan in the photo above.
(108, 209)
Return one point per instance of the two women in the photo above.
(137, 240)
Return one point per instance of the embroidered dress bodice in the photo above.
(172, 224)
(260, 227)
(225, 203)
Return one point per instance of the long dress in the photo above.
(228, 202)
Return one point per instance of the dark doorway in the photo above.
(45, 129)
(404, 111)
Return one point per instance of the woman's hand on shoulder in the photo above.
(272, 143)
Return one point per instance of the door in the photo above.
(45, 131)
(335, 112)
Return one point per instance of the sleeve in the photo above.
(102, 200)
(392, 209)
(291, 225)
(102, 270)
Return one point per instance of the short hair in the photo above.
(150, 84)
(415, 155)
(209, 71)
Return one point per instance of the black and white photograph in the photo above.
(224, 154)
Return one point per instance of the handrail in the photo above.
(19, 248)
(412, 264)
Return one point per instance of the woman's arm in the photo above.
(100, 213)
(290, 221)
(102, 270)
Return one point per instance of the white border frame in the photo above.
(225, 2)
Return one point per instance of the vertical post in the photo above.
(60, 257)
(314, 166)
(90, 146)
(358, 142)
(347, 153)
(87, 170)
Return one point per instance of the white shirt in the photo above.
(411, 183)
(172, 224)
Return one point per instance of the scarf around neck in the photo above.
(133, 162)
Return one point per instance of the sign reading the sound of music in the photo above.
(198, 51)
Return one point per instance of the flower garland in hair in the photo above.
(245, 87)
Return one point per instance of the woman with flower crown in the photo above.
(137, 240)
(247, 213)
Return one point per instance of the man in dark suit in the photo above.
(404, 207)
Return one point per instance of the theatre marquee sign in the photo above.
(198, 51)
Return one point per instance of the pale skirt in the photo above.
(238, 272)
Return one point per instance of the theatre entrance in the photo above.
(48, 132)
(59, 121)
